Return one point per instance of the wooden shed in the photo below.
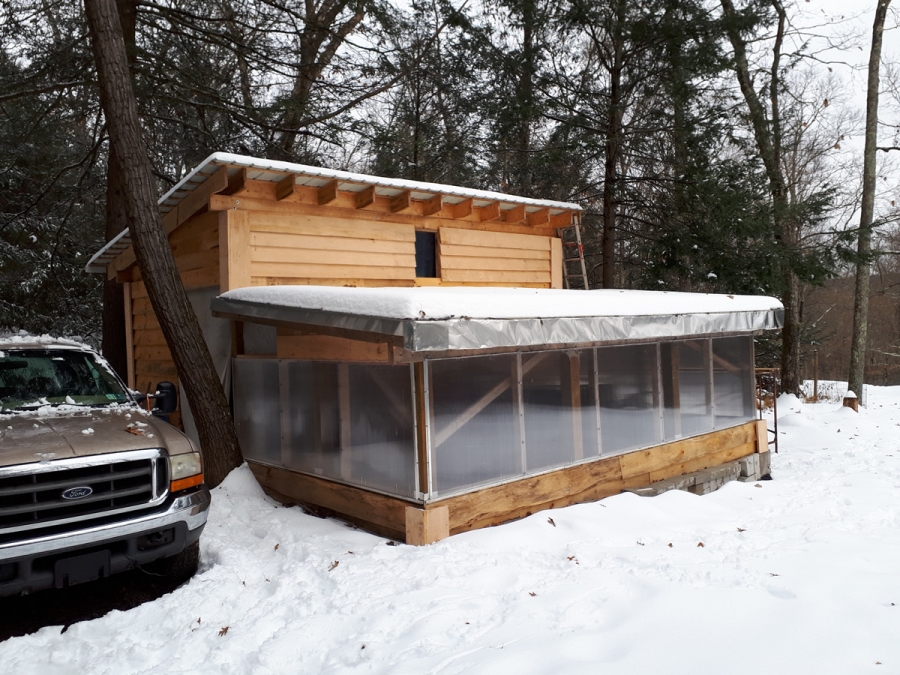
(362, 385)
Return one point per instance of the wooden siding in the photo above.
(288, 249)
(494, 258)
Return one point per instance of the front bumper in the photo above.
(28, 564)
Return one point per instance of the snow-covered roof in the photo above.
(466, 318)
(311, 176)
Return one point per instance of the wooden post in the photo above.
(557, 266)
(234, 250)
(421, 405)
(675, 384)
(343, 373)
(571, 396)
(815, 375)
(129, 335)
(285, 412)
(710, 381)
(762, 436)
(519, 411)
(658, 396)
(426, 526)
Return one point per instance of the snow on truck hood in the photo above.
(63, 432)
(451, 318)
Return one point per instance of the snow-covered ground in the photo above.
(796, 575)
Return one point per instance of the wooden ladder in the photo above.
(573, 256)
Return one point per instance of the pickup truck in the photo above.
(91, 482)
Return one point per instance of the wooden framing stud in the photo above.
(364, 197)
(426, 526)
(285, 187)
(234, 250)
(421, 426)
(327, 193)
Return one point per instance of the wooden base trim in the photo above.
(423, 524)
(368, 509)
(762, 436)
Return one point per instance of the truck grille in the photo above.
(120, 484)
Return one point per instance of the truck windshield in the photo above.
(34, 378)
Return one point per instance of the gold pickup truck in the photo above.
(91, 483)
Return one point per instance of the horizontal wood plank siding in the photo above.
(493, 258)
(303, 248)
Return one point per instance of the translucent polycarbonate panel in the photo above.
(694, 385)
(382, 431)
(733, 381)
(629, 397)
(560, 415)
(257, 409)
(350, 422)
(475, 426)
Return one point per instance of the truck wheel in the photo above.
(179, 567)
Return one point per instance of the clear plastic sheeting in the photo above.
(350, 422)
(629, 398)
(733, 381)
(491, 418)
(475, 423)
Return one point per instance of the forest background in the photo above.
(652, 115)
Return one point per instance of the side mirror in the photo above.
(166, 398)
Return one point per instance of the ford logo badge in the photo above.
(77, 492)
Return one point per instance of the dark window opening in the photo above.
(426, 256)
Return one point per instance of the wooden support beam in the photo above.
(285, 187)
(236, 183)
(460, 210)
(197, 200)
(284, 397)
(364, 197)
(426, 526)
(399, 202)
(422, 421)
(536, 218)
(432, 205)
(398, 409)
(563, 219)
(519, 412)
(487, 212)
(234, 250)
(327, 193)
(762, 436)
(514, 215)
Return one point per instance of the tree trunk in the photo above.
(767, 134)
(113, 318)
(611, 154)
(151, 247)
(867, 210)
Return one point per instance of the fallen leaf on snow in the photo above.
(333, 565)
(700, 545)
(532, 593)
(276, 547)
(224, 631)
(550, 520)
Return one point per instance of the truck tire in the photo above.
(179, 567)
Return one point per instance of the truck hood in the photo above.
(60, 433)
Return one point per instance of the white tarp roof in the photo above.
(464, 318)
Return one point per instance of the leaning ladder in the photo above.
(574, 270)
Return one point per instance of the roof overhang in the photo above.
(278, 172)
(432, 320)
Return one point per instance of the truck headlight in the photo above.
(186, 471)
